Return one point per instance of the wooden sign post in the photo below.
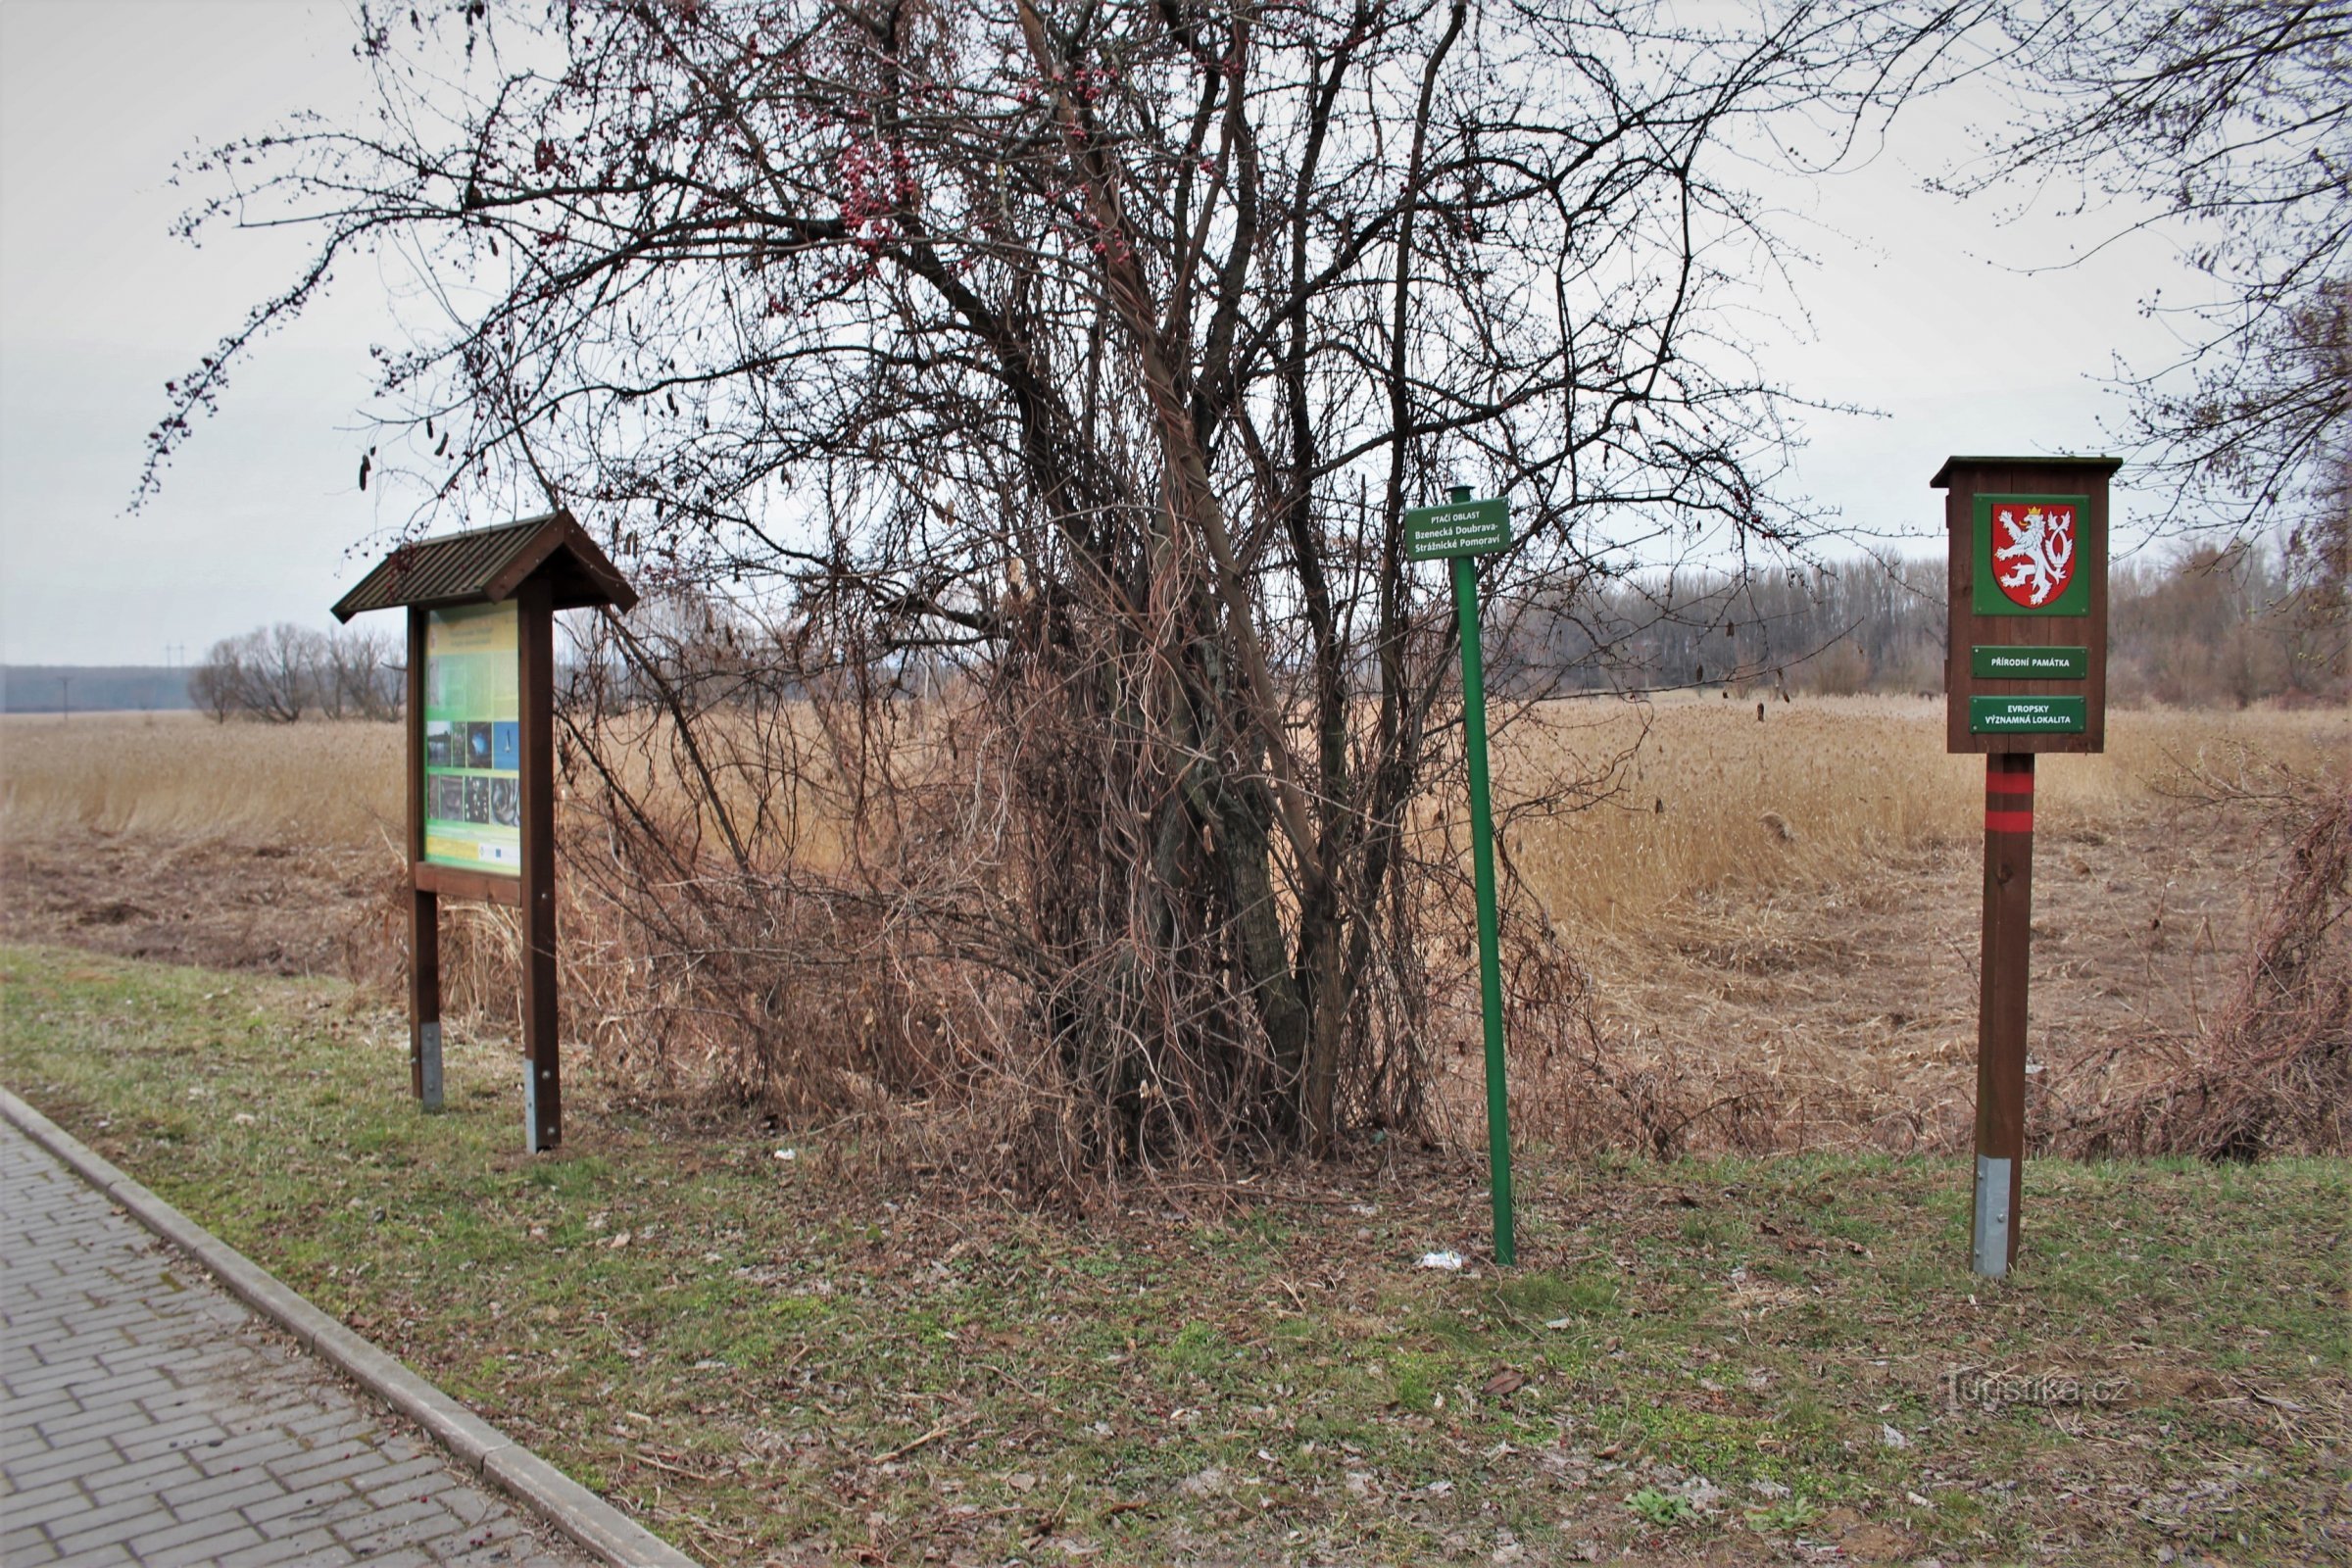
(2026, 672)
(481, 791)
(1460, 531)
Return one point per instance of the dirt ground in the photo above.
(221, 903)
(1858, 996)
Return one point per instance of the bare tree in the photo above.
(1080, 360)
(285, 673)
(2319, 557)
(2229, 121)
(276, 675)
(359, 674)
(223, 685)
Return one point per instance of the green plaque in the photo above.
(1457, 528)
(2026, 716)
(2029, 664)
(2034, 556)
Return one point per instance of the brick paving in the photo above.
(146, 1417)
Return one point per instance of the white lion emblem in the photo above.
(2041, 542)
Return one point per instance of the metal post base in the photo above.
(533, 1143)
(429, 1064)
(1992, 1253)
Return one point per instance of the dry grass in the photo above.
(1822, 787)
(181, 775)
(1709, 799)
(1793, 940)
(1776, 917)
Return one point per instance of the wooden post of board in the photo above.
(542, 1080)
(424, 905)
(2001, 977)
(2026, 672)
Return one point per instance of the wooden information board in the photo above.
(481, 794)
(2026, 672)
(2026, 668)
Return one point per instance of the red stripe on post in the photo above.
(2008, 821)
(2008, 783)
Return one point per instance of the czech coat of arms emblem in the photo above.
(2034, 551)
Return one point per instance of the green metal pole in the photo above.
(1482, 864)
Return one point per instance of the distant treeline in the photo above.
(83, 688)
(283, 674)
(2204, 628)
(1858, 627)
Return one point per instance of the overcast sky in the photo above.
(1923, 308)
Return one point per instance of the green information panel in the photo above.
(2028, 549)
(2026, 716)
(1457, 528)
(2029, 664)
(474, 738)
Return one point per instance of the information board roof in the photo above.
(1944, 475)
(485, 566)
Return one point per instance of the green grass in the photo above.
(1698, 1359)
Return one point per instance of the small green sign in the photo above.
(2029, 664)
(1457, 528)
(2034, 556)
(2026, 716)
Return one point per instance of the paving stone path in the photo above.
(146, 1417)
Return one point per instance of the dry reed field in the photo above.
(182, 775)
(1821, 789)
(1780, 917)
(1706, 797)
(1776, 918)
(168, 836)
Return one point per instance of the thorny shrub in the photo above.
(2272, 1071)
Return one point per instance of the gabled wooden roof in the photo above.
(488, 564)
